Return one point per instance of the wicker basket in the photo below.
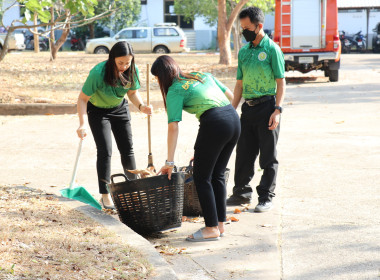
(151, 204)
(191, 205)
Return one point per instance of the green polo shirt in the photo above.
(259, 67)
(102, 94)
(194, 97)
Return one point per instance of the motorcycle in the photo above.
(29, 42)
(345, 42)
(376, 39)
(349, 43)
(76, 43)
(361, 41)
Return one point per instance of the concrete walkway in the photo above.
(325, 224)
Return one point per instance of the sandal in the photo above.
(198, 237)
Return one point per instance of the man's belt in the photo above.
(255, 101)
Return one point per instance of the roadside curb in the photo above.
(50, 109)
(37, 109)
(161, 269)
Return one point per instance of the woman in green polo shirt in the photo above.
(203, 95)
(102, 99)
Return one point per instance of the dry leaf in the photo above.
(232, 219)
(266, 225)
(237, 211)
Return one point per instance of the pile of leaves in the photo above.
(40, 238)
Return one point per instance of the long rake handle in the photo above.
(76, 164)
(150, 156)
(148, 103)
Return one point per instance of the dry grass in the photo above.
(40, 238)
(27, 77)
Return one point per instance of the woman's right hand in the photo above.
(81, 131)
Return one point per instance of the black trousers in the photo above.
(218, 133)
(256, 138)
(102, 122)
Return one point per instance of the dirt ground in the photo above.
(40, 238)
(26, 77)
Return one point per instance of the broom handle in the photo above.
(76, 164)
(148, 103)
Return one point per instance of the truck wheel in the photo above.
(101, 50)
(161, 49)
(327, 73)
(334, 75)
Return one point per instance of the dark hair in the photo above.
(167, 70)
(120, 49)
(255, 15)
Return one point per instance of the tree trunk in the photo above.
(92, 30)
(237, 38)
(35, 36)
(4, 50)
(55, 46)
(224, 29)
(223, 34)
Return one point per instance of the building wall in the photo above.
(152, 13)
(11, 14)
(353, 21)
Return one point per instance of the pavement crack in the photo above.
(209, 273)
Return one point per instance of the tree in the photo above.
(52, 15)
(222, 12)
(127, 13)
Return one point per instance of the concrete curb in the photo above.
(52, 109)
(37, 109)
(161, 269)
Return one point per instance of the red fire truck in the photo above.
(307, 32)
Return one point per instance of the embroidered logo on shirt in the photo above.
(127, 85)
(262, 56)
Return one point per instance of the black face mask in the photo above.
(249, 35)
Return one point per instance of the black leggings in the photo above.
(218, 134)
(102, 121)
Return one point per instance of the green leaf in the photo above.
(27, 15)
(44, 16)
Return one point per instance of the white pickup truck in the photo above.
(15, 42)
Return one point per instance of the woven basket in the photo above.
(191, 205)
(150, 204)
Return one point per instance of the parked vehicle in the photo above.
(376, 39)
(162, 38)
(15, 42)
(76, 43)
(360, 41)
(307, 32)
(29, 42)
(345, 41)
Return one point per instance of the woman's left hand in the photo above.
(147, 109)
(166, 170)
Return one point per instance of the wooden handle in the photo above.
(148, 103)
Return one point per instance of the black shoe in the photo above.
(238, 200)
(264, 206)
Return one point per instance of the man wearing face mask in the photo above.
(261, 82)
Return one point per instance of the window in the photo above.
(143, 33)
(126, 34)
(170, 16)
(133, 34)
(165, 32)
(144, 2)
